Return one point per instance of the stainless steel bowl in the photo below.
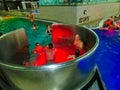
(63, 76)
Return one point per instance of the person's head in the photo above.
(111, 17)
(37, 44)
(34, 25)
(50, 45)
(48, 27)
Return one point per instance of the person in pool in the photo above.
(40, 58)
(34, 27)
(78, 43)
(49, 30)
(50, 53)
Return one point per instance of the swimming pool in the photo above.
(107, 54)
(107, 58)
(69, 73)
(34, 36)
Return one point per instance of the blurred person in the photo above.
(78, 43)
(50, 53)
(31, 17)
(34, 27)
(38, 49)
(40, 58)
(49, 30)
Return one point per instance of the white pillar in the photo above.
(24, 5)
(18, 7)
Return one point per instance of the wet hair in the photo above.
(111, 17)
(50, 45)
(36, 43)
(34, 24)
(77, 53)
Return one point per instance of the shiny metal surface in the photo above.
(64, 76)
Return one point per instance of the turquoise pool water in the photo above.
(39, 35)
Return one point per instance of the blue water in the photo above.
(108, 58)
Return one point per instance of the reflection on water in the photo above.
(21, 56)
